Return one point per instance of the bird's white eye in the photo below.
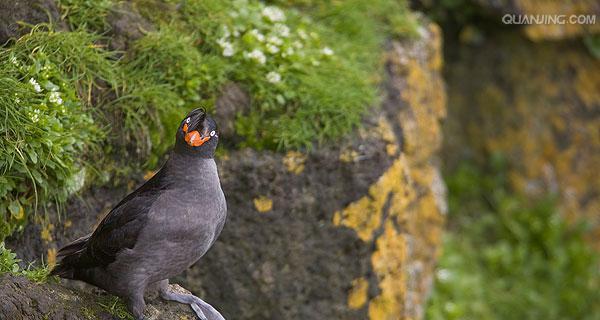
(187, 120)
(212, 133)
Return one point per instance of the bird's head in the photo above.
(197, 134)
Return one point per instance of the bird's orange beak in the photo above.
(194, 138)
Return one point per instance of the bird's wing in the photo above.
(122, 225)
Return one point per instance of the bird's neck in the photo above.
(191, 167)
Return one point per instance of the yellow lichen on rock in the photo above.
(365, 215)
(51, 258)
(358, 295)
(294, 161)
(562, 11)
(263, 204)
(403, 211)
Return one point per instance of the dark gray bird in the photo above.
(160, 229)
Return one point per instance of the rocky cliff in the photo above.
(349, 231)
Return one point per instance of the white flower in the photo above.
(35, 84)
(55, 98)
(257, 55)
(35, 117)
(228, 51)
(297, 44)
(275, 40)
(288, 52)
(327, 51)
(17, 100)
(272, 49)
(13, 60)
(282, 30)
(259, 36)
(226, 32)
(302, 34)
(273, 13)
(443, 275)
(273, 77)
(236, 33)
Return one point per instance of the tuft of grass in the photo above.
(9, 263)
(45, 93)
(506, 257)
(87, 15)
(115, 307)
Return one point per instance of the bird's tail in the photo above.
(70, 258)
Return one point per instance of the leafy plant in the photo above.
(44, 93)
(10, 264)
(510, 258)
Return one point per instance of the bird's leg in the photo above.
(136, 306)
(203, 310)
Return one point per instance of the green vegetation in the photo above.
(311, 71)
(44, 98)
(115, 307)
(507, 258)
(10, 264)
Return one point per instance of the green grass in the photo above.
(310, 69)
(47, 124)
(10, 264)
(115, 307)
(506, 257)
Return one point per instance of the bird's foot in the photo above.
(203, 310)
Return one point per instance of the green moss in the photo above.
(115, 307)
(507, 257)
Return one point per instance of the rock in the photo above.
(29, 11)
(551, 30)
(538, 104)
(351, 230)
(232, 101)
(21, 299)
(126, 26)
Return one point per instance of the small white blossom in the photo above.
(272, 49)
(256, 55)
(327, 51)
(17, 100)
(302, 34)
(236, 33)
(273, 77)
(226, 32)
(274, 14)
(288, 52)
(443, 274)
(35, 117)
(35, 84)
(228, 50)
(13, 60)
(55, 98)
(282, 30)
(297, 44)
(257, 35)
(275, 40)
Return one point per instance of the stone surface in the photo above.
(551, 31)
(20, 299)
(539, 105)
(350, 231)
(12, 12)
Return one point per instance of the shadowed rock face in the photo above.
(349, 231)
(30, 11)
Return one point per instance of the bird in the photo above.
(160, 229)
